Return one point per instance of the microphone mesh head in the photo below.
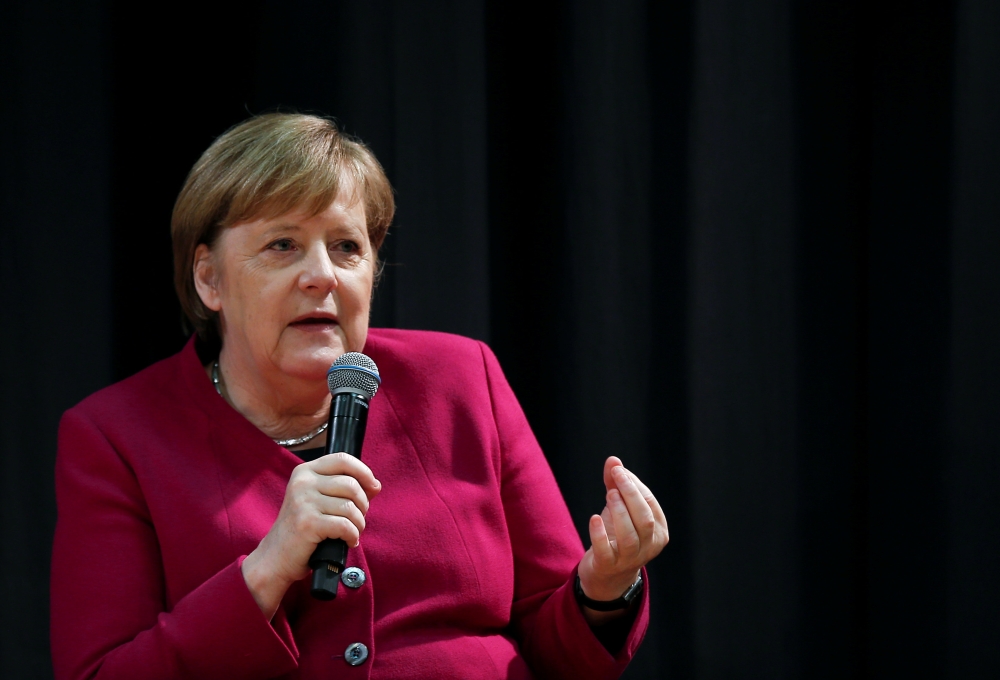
(356, 371)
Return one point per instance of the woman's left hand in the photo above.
(629, 532)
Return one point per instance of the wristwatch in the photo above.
(622, 602)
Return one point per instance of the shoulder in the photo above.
(416, 344)
(416, 363)
(442, 354)
(161, 386)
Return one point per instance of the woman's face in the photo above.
(292, 292)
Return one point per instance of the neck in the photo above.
(279, 405)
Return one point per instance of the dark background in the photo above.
(770, 226)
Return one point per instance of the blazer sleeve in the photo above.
(555, 638)
(108, 611)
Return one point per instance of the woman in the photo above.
(192, 494)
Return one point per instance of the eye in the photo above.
(282, 245)
(348, 247)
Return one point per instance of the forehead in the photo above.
(283, 193)
(346, 210)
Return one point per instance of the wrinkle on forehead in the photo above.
(310, 192)
(347, 194)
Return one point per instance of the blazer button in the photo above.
(356, 653)
(353, 577)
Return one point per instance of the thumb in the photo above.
(610, 464)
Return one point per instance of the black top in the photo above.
(310, 454)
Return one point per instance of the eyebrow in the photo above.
(280, 228)
(292, 227)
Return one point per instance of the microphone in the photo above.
(353, 380)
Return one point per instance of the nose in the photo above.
(318, 275)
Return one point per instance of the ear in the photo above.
(206, 279)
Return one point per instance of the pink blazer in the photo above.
(469, 551)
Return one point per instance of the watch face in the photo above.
(633, 590)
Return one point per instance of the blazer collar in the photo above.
(231, 433)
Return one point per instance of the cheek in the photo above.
(263, 301)
(356, 298)
(363, 293)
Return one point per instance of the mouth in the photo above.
(316, 321)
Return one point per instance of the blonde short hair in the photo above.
(264, 167)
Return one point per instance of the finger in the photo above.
(342, 486)
(333, 526)
(609, 465)
(609, 526)
(654, 504)
(643, 519)
(604, 553)
(606, 516)
(311, 523)
(638, 482)
(345, 464)
(342, 507)
(626, 538)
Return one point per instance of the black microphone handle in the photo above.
(345, 432)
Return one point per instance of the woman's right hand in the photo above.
(325, 498)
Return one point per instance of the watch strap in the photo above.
(622, 602)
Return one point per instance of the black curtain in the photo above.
(769, 228)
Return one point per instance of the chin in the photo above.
(311, 366)
(312, 359)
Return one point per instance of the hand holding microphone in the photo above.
(353, 381)
(325, 497)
